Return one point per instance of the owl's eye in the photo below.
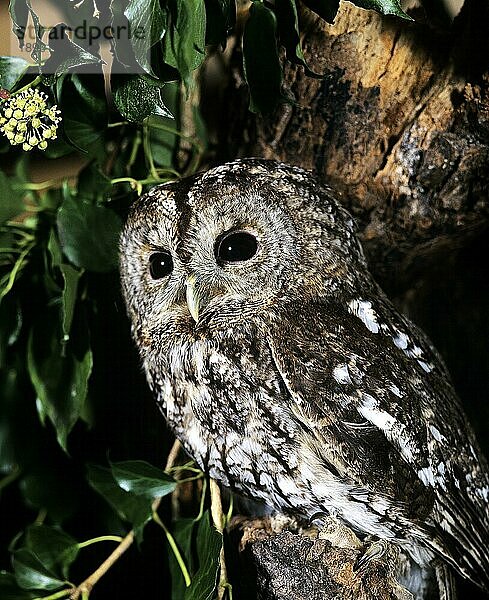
(160, 264)
(236, 246)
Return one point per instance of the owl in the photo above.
(288, 375)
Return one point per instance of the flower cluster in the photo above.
(26, 119)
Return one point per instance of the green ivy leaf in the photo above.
(71, 278)
(9, 590)
(326, 9)
(163, 142)
(11, 203)
(60, 380)
(182, 534)
(221, 18)
(138, 96)
(208, 545)
(288, 30)
(93, 183)
(54, 249)
(163, 132)
(147, 19)
(142, 479)
(184, 43)
(130, 507)
(384, 7)
(19, 13)
(53, 547)
(89, 234)
(58, 148)
(31, 574)
(53, 259)
(261, 63)
(47, 488)
(84, 110)
(11, 70)
(65, 54)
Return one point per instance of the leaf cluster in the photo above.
(70, 384)
(167, 42)
(42, 556)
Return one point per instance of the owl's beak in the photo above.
(193, 297)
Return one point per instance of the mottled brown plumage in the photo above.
(286, 372)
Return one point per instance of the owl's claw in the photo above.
(338, 534)
(375, 551)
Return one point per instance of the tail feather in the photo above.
(446, 582)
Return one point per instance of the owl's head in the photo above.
(231, 245)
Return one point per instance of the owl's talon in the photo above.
(375, 551)
(338, 534)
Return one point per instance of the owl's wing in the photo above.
(374, 396)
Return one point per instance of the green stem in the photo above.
(86, 586)
(173, 131)
(10, 478)
(20, 229)
(174, 548)
(176, 174)
(34, 187)
(101, 538)
(229, 514)
(118, 124)
(33, 83)
(194, 478)
(137, 184)
(130, 180)
(14, 271)
(148, 153)
(41, 516)
(199, 148)
(134, 151)
(134, 183)
(202, 501)
(185, 467)
(61, 594)
(229, 588)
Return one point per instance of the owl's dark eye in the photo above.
(160, 264)
(236, 246)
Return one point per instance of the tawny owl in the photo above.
(286, 372)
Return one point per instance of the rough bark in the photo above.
(287, 565)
